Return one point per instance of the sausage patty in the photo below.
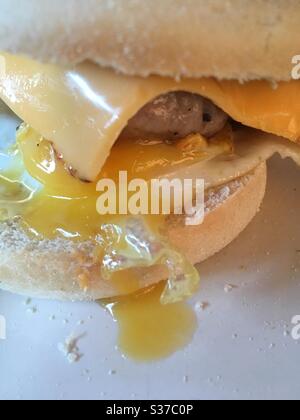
(176, 115)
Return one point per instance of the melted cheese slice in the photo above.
(83, 110)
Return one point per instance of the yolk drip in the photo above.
(149, 330)
(36, 186)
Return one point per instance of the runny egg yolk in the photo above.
(148, 330)
(37, 187)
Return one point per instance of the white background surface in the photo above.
(242, 349)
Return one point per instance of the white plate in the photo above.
(242, 349)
